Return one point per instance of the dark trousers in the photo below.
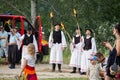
(12, 52)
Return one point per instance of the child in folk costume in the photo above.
(27, 39)
(94, 69)
(29, 64)
(57, 43)
(88, 50)
(76, 50)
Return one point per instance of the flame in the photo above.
(62, 25)
(74, 12)
(8, 22)
(51, 14)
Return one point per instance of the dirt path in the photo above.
(43, 71)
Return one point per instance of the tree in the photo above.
(99, 15)
(33, 10)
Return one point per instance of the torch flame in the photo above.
(75, 12)
(62, 25)
(51, 14)
(8, 22)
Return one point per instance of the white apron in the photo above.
(87, 54)
(75, 60)
(85, 63)
(56, 55)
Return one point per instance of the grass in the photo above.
(2, 61)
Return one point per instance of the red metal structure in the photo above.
(22, 23)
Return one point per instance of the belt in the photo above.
(56, 43)
(87, 49)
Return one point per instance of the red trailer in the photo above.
(22, 24)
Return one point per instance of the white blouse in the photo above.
(30, 60)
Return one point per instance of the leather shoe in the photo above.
(73, 72)
(60, 71)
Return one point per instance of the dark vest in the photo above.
(57, 36)
(88, 43)
(77, 39)
(28, 39)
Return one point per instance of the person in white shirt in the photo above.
(89, 49)
(27, 39)
(76, 51)
(57, 43)
(29, 64)
(12, 49)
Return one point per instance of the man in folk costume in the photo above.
(57, 43)
(88, 50)
(76, 50)
(27, 38)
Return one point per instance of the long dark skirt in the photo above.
(12, 52)
(110, 62)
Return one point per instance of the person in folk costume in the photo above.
(57, 43)
(76, 50)
(27, 39)
(12, 49)
(4, 42)
(89, 49)
(29, 64)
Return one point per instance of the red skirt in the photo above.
(117, 76)
(29, 73)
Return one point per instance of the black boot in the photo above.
(74, 70)
(12, 66)
(83, 73)
(59, 67)
(79, 70)
(53, 67)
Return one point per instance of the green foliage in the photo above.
(99, 15)
(67, 55)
